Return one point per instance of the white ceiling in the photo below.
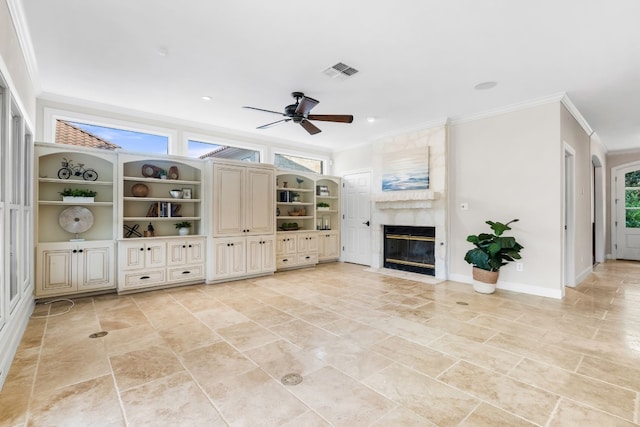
(419, 60)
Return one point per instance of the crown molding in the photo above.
(24, 38)
(508, 108)
(595, 138)
(576, 114)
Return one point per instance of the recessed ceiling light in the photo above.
(371, 119)
(162, 51)
(206, 98)
(485, 85)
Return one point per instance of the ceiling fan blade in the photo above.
(309, 127)
(305, 105)
(266, 111)
(338, 118)
(268, 125)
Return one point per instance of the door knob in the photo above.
(366, 223)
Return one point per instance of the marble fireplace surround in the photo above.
(422, 208)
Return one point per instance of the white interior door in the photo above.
(356, 218)
(627, 202)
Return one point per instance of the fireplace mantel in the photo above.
(405, 199)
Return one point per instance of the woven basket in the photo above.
(485, 276)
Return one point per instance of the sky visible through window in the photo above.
(127, 139)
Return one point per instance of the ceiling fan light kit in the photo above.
(299, 113)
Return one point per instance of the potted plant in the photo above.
(183, 228)
(78, 195)
(323, 206)
(491, 252)
(295, 197)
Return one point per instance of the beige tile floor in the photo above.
(372, 350)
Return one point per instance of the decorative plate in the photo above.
(76, 219)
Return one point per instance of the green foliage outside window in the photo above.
(632, 179)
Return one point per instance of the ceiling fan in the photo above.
(299, 113)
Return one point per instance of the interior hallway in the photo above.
(372, 350)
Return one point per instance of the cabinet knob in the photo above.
(285, 260)
(148, 249)
(184, 246)
(75, 251)
(142, 249)
(189, 245)
(81, 250)
(228, 244)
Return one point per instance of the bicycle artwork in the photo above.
(68, 170)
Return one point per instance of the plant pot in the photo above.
(323, 208)
(74, 199)
(183, 231)
(484, 281)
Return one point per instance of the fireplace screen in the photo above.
(410, 248)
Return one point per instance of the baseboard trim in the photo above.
(514, 287)
(584, 274)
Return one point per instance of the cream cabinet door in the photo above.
(189, 251)
(95, 266)
(228, 207)
(328, 245)
(141, 254)
(55, 270)
(308, 242)
(259, 203)
(260, 254)
(286, 243)
(229, 257)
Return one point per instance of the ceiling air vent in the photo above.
(340, 70)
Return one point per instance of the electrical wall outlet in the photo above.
(519, 266)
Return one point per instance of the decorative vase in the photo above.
(183, 231)
(484, 281)
(139, 190)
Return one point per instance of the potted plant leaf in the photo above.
(183, 228)
(323, 206)
(491, 252)
(78, 195)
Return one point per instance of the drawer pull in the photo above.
(186, 272)
(145, 277)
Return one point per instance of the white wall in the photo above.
(509, 166)
(13, 66)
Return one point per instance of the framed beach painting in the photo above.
(406, 169)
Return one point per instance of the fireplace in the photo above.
(410, 249)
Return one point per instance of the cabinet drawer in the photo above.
(143, 278)
(191, 272)
(307, 258)
(284, 261)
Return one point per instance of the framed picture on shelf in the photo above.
(186, 193)
(322, 190)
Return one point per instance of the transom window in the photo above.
(109, 138)
(205, 150)
(303, 164)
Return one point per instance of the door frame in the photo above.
(614, 207)
(343, 204)
(568, 217)
(599, 207)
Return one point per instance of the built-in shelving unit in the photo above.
(66, 262)
(307, 233)
(155, 209)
